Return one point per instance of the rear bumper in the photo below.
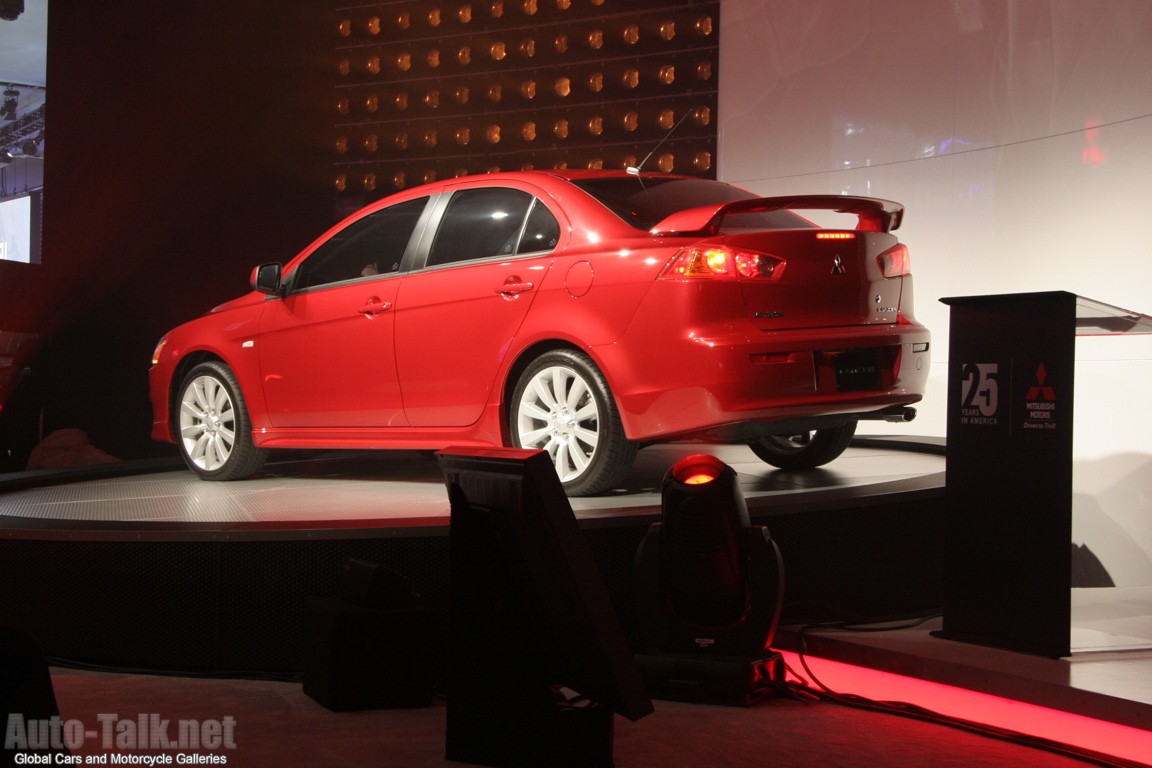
(747, 383)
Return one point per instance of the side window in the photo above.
(541, 232)
(479, 224)
(373, 245)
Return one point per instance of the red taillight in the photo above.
(721, 261)
(895, 262)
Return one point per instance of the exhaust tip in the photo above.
(901, 413)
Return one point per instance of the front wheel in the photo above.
(562, 405)
(215, 434)
(805, 450)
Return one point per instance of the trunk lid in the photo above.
(830, 278)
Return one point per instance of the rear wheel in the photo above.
(215, 434)
(804, 450)
(562, 405)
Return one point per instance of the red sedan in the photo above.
(584, 313)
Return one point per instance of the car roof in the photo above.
(565, 174)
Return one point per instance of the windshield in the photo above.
(644, 203)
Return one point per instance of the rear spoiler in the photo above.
(875, 215)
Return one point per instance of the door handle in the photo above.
(514, 286)
(374, 307)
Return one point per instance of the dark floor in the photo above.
(277, 725)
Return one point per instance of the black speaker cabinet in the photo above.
(537, 661)
(26, 693)
(372, 658)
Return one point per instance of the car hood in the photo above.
(248, 299)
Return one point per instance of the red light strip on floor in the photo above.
(1063, 727)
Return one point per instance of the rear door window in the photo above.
(492, 222)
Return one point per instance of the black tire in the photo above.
(562, 405)
(214, 431)
(806, 450)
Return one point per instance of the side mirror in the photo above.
(266, 279)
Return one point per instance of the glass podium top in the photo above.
(1095, 318)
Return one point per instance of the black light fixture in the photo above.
(709, 591)
(10, 10)
(11, 100)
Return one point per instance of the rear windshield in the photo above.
(644, 203)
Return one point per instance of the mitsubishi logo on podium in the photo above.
(1040, 402)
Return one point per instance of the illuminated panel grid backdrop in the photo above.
(434, 89)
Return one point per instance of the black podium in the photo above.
(1011, 376)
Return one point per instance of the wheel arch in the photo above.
(179, 371)
(525, 359)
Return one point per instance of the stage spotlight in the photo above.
(709, 591)
(702, 552)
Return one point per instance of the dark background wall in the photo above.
(190, 142)
(187, 144)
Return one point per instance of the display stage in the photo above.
(148, 567)
(332, 494)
